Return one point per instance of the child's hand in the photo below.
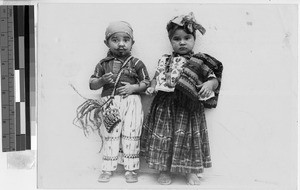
(150, 90)
(126, 90)
(206, 89)
(108, 78)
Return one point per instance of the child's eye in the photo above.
(176, 39)
(188, 37)
(114, 40)
(126, 40)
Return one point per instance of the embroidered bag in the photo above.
(111, 116)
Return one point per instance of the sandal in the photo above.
(164, 178)
(131, 177)
(105, 176)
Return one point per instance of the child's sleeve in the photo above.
(142, 72)
(207, 73)
(98, 72)
(217, 67)
(153, 82)
(161, 64)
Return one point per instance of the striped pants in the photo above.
(122, 145)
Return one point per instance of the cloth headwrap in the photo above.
(118, 26)
(188, 22)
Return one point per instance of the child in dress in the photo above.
(124, 76)
(174, 137)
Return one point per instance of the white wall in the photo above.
(253, 131)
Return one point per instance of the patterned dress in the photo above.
(174, 136)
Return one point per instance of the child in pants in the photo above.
(123, 143)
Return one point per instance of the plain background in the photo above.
(253, 131)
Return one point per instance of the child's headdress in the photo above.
(118, 26)
(187, 22)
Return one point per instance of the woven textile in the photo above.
(217, 67)
(125, 136)
(174, 138)
(196, 69)
(189, 78)
(174, 135)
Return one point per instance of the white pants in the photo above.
(123, 143)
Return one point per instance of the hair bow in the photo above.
(189, 22)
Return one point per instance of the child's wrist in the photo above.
(153, 83)
(135, 87)
(214, 83)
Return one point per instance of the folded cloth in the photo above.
(193, 75)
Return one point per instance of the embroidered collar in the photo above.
(187, 56)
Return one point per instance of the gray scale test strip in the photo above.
(17, 49)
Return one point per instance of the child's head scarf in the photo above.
(118, 26)
(186, 22)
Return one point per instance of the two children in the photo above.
(174, 136)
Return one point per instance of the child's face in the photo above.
(120, 44)
(182, 43)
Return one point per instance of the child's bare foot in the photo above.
(164, 178)
(200, 175)
(192, 179)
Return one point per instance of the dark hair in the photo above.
(172, 27)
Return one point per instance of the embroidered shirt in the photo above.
(167, 72)
(170, 67)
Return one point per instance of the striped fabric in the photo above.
(135, 72)
(194, 73)
(217, 67)
(174, 138)
(123, 143)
